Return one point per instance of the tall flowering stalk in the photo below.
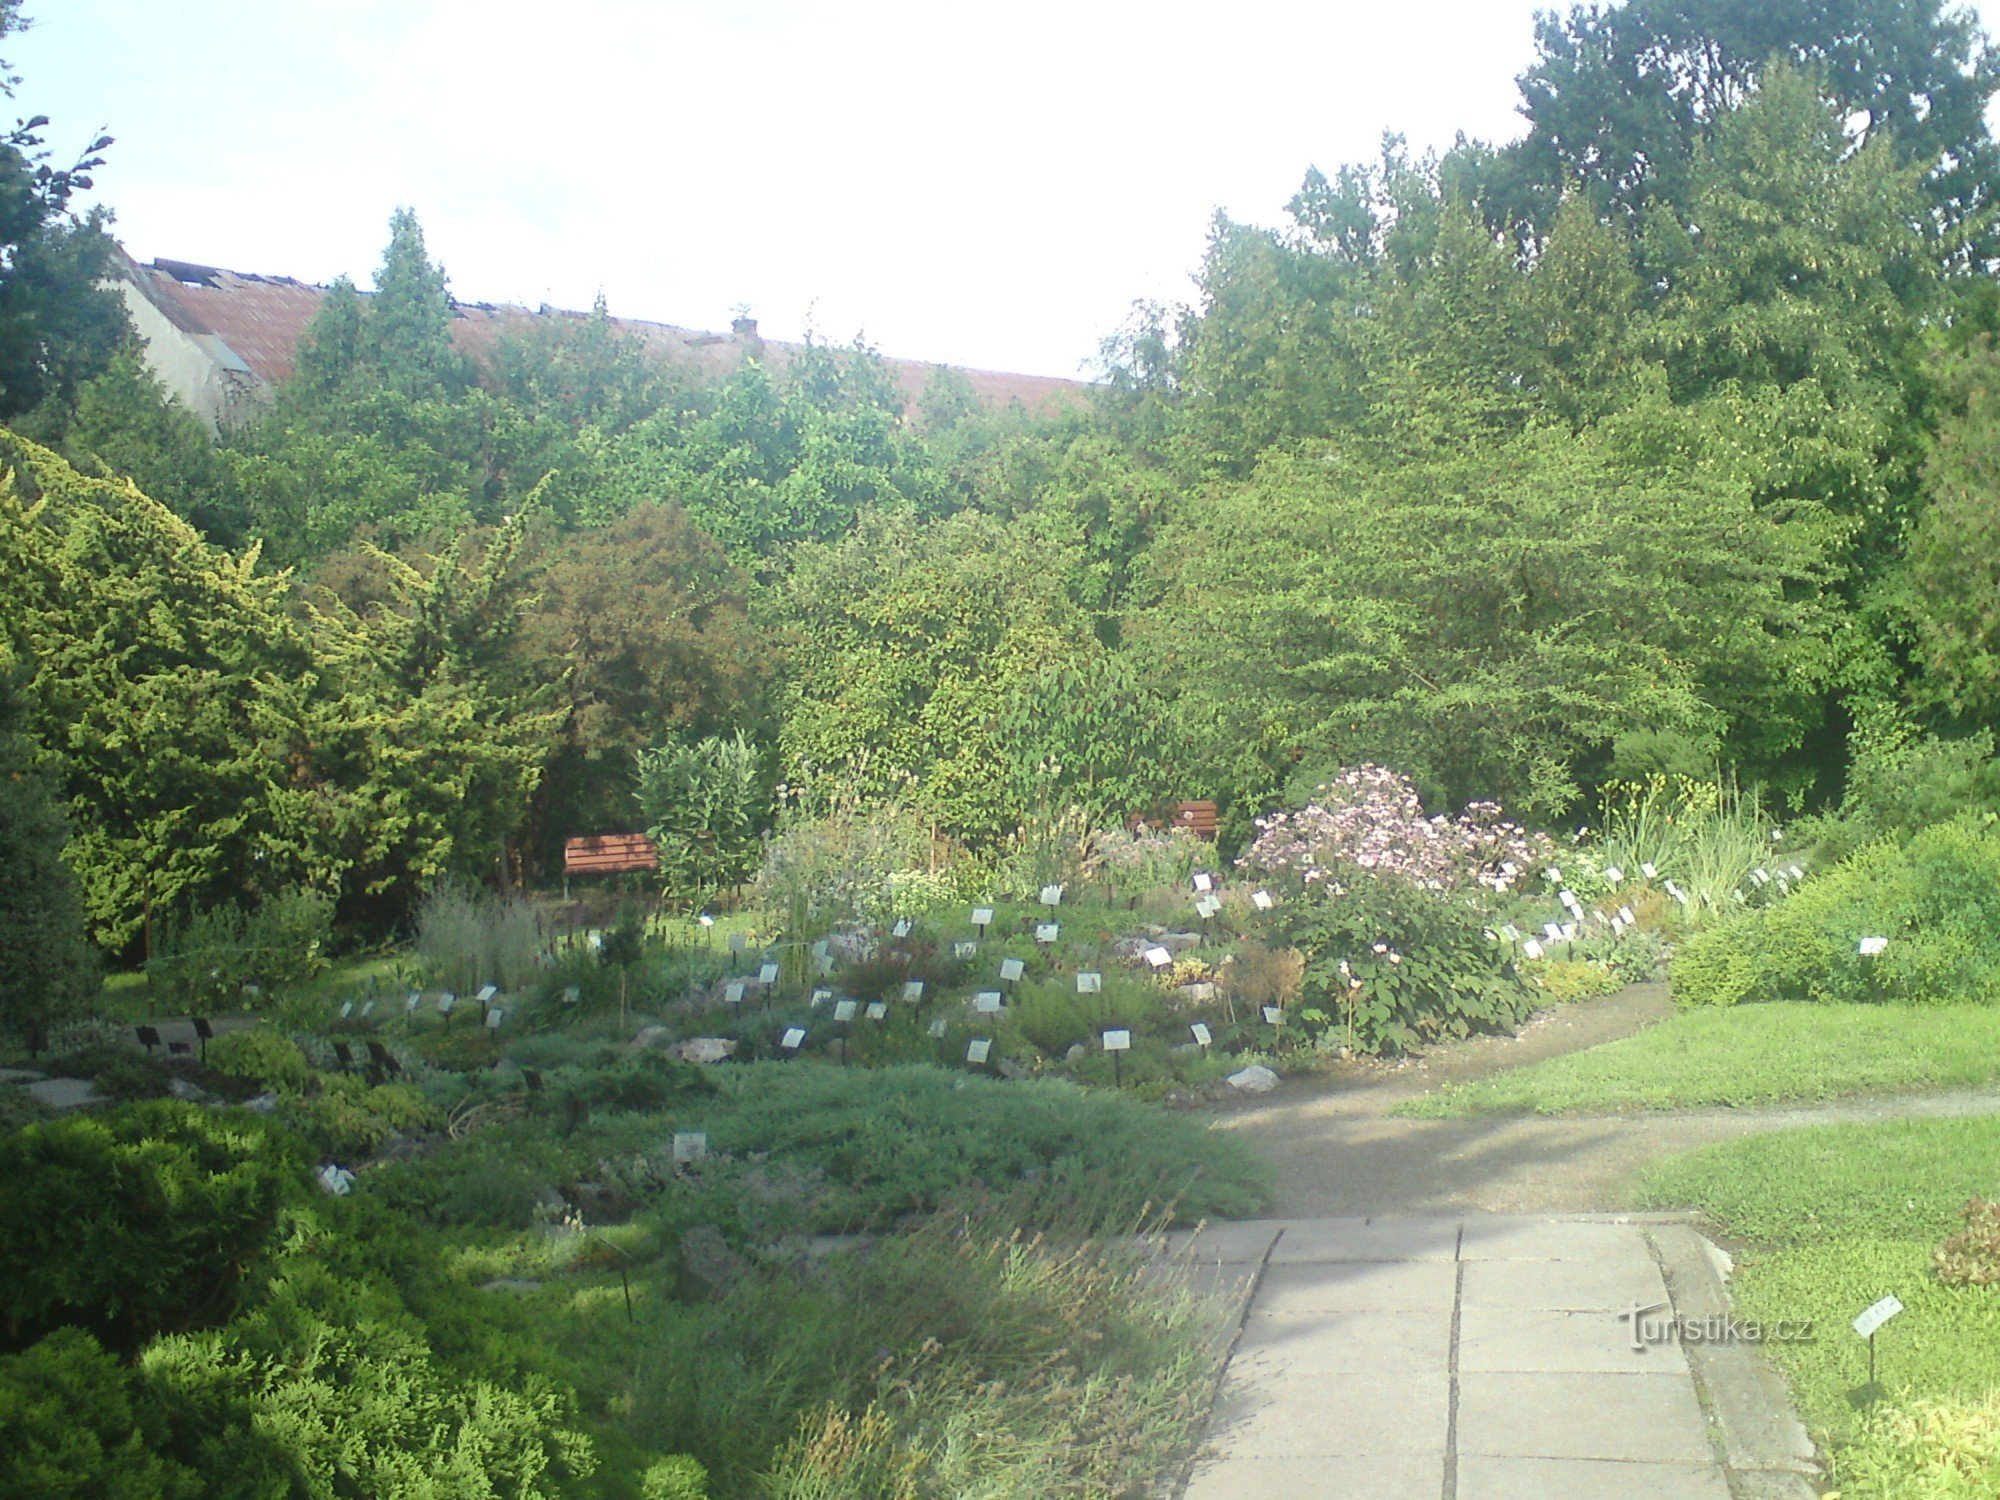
(1369, 822)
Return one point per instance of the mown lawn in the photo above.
(1830, 1219)
(1747, 1054)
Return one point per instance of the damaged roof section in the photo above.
(220, 339)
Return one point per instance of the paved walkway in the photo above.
(1482, 1358)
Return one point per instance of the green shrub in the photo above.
(349, 1120)
(1390, 965)
(675, 1478)
(206, 963)
(1936, 900)
(1902, 785)
(78, 1425)
(1053, 1016)
(261, 1055)
(141, 1219)
(891, 1141)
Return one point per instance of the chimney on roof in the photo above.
(744, 327)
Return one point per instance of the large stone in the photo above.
(64, 1093)
(706, 1049)
(1201, 992)
(1255, 1079)
(1179, 942)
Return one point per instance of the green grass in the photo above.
(1747, 1054)
(1830, 1219)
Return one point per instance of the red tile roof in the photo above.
(261, 319)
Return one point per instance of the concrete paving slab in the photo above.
(1318, 1240)
(1278, 1347)
(1359, 1286)
(1243, 1243)
(1587, 1479)
(1499, 1238)
(1382, 1477)
(1499, 1339)
(1628, 1418)
(64, 1093)
(1617, 1283)
(1345, 1416)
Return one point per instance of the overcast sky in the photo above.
(984, 185)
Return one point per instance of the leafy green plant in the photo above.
(261, 1055)
(1934, 904)
(1051, 1014)
(467, 938)
(1707, 837)
(702, 803)
(1390, 965)
(215, 959)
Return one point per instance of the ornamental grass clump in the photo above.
(1369, 822)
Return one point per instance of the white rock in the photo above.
(1255, 1079)
(705, 1049)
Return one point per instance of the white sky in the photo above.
(984, 185)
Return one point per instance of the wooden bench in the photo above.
(1197, 818)
(609, 854)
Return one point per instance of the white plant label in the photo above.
(1273, 1016)
(1261, 900)
(793, 1038)
(413, 1002)
(878, 1010)
(987, 1001)
(571, 994)
(1567, 897)
(493, 1018)
(1089, 982)
(1649, 869)
(732, 992)
(1204, 882)
(1201, 1036)
(367, 1010)
(1047, 932)
(445, 1002)
(902, 927)
(965, 950)
(913, 990)
(1208, 906)
(1117, 1041)
(1052, 895)
(690, 1145)
(596, 941)
(1870, 946)
(706, 920)
(819, 998)
(982, 916)
(1613, 874)
(768, 974)
(738, 942)
(1012, 969)
(1876, 1316)
(1531, 949)
(843, 1010)
(1569, 932)
(346, 1009)
(938, 1028)
(486, 993)
(1552, 931)
(1626, 913)
(1159, 958)
(977, 1050)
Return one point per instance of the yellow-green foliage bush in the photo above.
(1936, 900)
(1972, 1256)
(262, 1056)
(1925, 1450)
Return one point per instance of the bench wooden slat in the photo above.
(609, 854)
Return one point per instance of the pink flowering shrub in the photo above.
(1368, 821)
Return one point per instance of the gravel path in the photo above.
(1336, 1151)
